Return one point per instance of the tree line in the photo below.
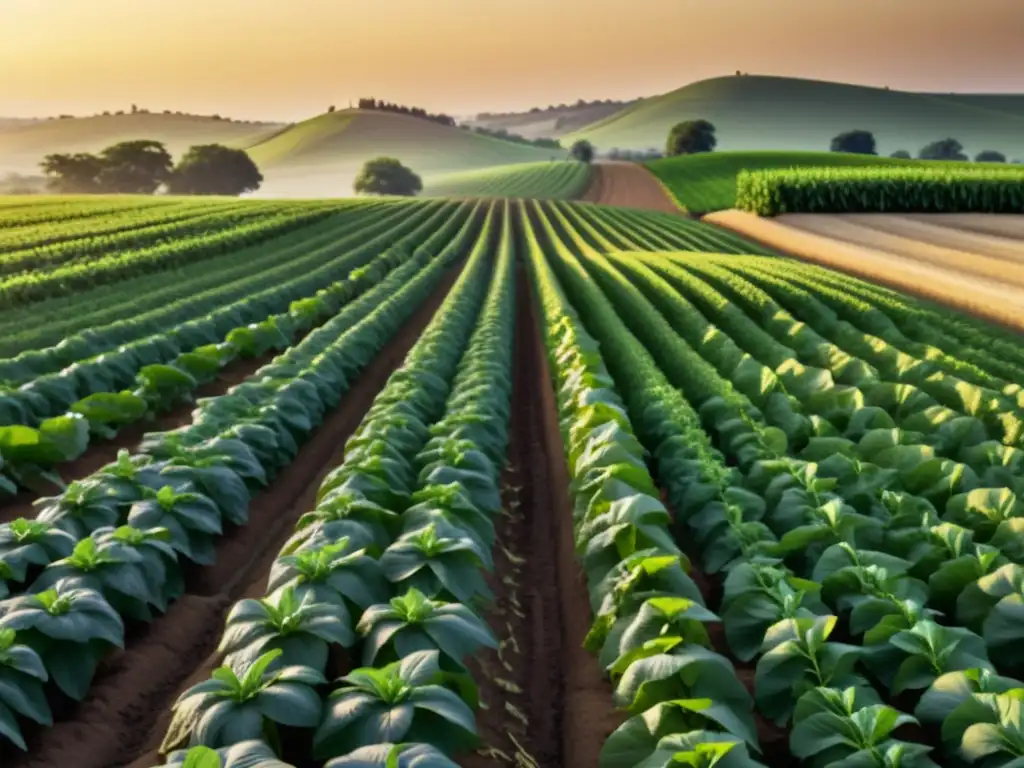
(580, 104)
(142, 167)
(861, 142)
(696, 136)
(502, 133)
(387, 106)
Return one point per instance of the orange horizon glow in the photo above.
(263, 59)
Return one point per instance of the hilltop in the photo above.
(23, 144)
(757, 112)
(321, 156)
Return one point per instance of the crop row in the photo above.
(559, 180)
(146, 303)
(51, 418)
(880, 189)
(128, 231)
(388, 564)
(18, 213)
(863, 571)
(112, 547)
(27, 287)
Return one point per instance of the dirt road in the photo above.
(628, 185)
(972, 269)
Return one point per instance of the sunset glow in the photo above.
(285, 61)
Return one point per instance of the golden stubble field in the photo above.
(974, 262)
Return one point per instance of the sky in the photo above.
(290, 59)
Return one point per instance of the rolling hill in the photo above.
(23, 146)
(758, 112)
(320, 157)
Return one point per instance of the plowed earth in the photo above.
(971, 262)
(627, 185)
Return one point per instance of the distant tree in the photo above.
(691, 137)
(990, 156)
(213, 169)
(944, 149)
(614, 153)
(73, 173)
(134, 167)
(135, 109)
(855, 142)
(582, 150)
(330, 108)
(902, 154)
(387, 176)
(106, 113)
(16, 184)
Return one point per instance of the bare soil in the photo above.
(951, 282)
(904, 240)
(521, 684)
(628, 185)
(1001, 225)
(588, 716)
(122, 720)
(923, 230)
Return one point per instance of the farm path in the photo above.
(897, 252)
(628, 185)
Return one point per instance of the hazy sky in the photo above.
(289, 59)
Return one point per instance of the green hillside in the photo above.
(755, 112)
(23, 146)
(321, 156)
(707, 182)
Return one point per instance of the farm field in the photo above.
(971, 261)
(533, 483)
(558, 180)
(706, 182)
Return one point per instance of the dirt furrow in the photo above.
(588, 717)
(627, 185)
(521, 684)
(123, 719)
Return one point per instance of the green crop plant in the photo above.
(400, 702)
(878, 190)
(233, 707)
